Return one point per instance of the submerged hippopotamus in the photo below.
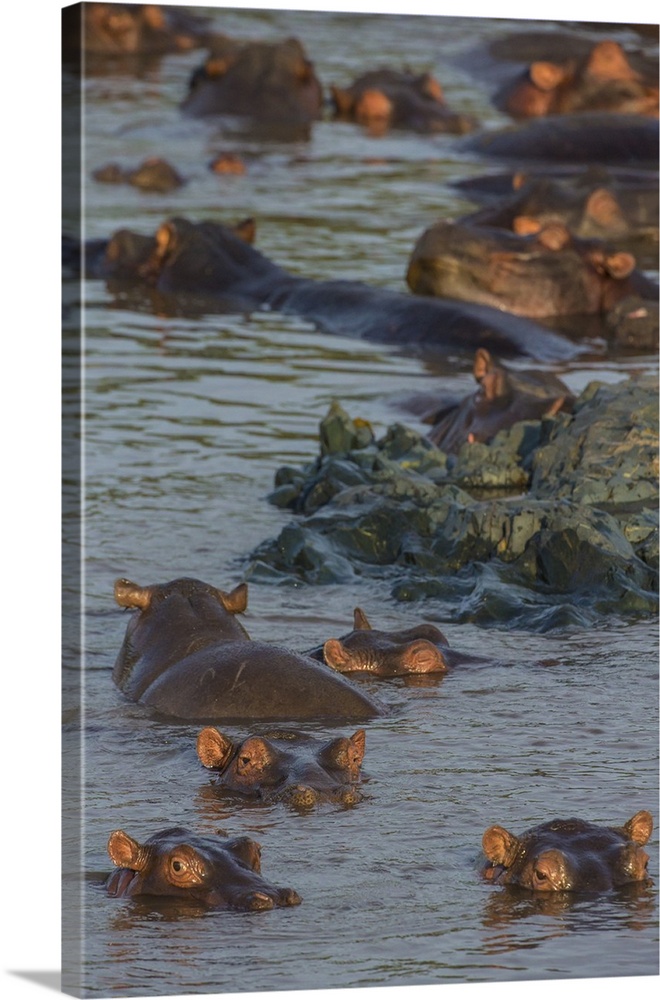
(180, 864)
(422, 649)
(502, 398)
(583, 137)
(546, 273)
(187, 656)
(215, 268)
(603, 80)
(569, 855)
(267, 81)
(153, 174)
(591, 203)
(385, 98)
(120, 30)
(285, 766)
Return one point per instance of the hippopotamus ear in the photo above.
(214, 749)
(342, 99)
(640, 827)
(235, 601)
(247, 851)
(500, 846)
(358, 741)
(546, 75)
(554, 236)
(526, 225)
(335, 655)
(130, 595)
(126, 852)
(620, 265)
(483, 363)
(245, 230)
(360, 620)
(602, 206)
(608, 61)
(431, 88)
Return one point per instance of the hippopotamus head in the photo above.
(602, 80)
(386, 98)
(180, 864)
(569, 855)
(502, 398)
(265, 81)
(170, 621)
(188, 258)
(533, 272)
(286, 766)
(386, 654)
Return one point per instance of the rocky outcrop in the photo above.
(561, 512)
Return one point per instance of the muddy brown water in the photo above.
(186, 420)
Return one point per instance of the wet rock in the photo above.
(560, 513)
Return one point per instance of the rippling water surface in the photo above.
(186, 420)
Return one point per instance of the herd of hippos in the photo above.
(551, 241)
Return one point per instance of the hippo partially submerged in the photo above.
(502, 398)
(385, 98)
(569, 855)
(603, 80)
(214, 268)
(177, 863)
(422, 649)
(285, 766)
(186, 655)
(266, 81)
(549, 272)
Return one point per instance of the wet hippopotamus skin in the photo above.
(266, 81)
(602, 80)
(569, 855)
(185, 655)
(422, 649)
(215, 268)
(547, 273)
(591, 203)
(118, 30)
(285, 766)
(384, 98)
(153, 174)
(502, 398)
(179, 864)
(583, 137)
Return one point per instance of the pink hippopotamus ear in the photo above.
(131, 595)
(126, 852)
(360, 620)
(235, 601)
(213, 748)
(640, 827)
(546, 75)
(336, 655)
(500, 846)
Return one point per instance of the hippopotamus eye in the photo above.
(539, 875)
(178, 866)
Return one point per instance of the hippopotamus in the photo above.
(120, 30)
(582, 137)
(179, 864)
(187, 656)
(267, 81)
(385, 98)
(548, 272)
(285, 766)
(153, 174)
(569, 855)
(422, 649)
(603, 80)
(591, 203)
(502, 398)
(215, 268)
